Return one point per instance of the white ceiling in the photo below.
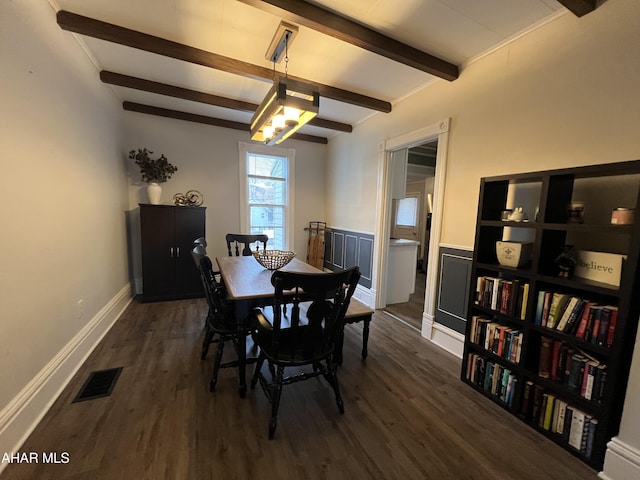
(455, 30)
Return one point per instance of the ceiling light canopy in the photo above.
(288, 105)
(281, 41)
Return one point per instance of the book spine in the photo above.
(525, 300)
(546, 352)
(555, 356)
(603, 330)
(545, 308)
(548, 414)
(526, 404)
(576, 315)
(584, 320)
(539, 307)
(613, 320)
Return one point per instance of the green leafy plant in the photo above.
(158, 170)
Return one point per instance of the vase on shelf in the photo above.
(154, 192)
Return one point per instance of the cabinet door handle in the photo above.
(171, 252)
(177, 251)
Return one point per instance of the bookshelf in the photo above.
(555, 350)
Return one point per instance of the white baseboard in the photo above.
(20, 417)
(366, 296)
(444, 337)
(621, 462)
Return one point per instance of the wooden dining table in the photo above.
(249, 285)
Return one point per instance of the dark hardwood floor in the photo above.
(407, 416)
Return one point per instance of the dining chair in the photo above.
(308, 336)
(237, 239)
(221, 323)
(198, 253)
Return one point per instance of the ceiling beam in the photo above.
(149, 43)
(136, 83)
(579, 7)
(217, 122)
(342, 28)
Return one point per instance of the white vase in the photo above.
(154, 192)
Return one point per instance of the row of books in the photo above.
(580, 372)
(505, 296)
(577, 316)
(492, 377)
(574, 426)
(506, 342)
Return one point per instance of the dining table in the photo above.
(248, 286)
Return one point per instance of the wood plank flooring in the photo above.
(407, 415)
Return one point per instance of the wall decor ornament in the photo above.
(193, 198)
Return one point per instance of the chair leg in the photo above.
(216, 365)
(206, 341)
(256, 372)
(365, 338)
(333, 380)
(275, 400)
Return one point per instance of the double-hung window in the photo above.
(266, 179)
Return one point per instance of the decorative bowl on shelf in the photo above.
(273, 259)
(513, 254)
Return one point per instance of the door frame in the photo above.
(439, 131)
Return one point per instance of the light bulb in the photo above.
(291, 115)
(268, 132)
(278, 122)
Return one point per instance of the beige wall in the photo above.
(208, 161)
(63, 193)
(564, 95)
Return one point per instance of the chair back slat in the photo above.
(235, 240)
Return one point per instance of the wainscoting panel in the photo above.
(344, 249)
(453, 287)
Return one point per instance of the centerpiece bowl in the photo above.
(273, 259)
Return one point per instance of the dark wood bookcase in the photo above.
(167, 233)
(527, 389)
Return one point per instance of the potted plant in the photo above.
(153, 172)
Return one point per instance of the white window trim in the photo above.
(245, 148)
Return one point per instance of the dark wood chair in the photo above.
(197, 253)
(234, 240)
(308, 336)
(221, 324)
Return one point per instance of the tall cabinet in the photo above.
(167, 234)
(565, 376)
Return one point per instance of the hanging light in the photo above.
(288, 105)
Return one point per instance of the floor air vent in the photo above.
(99, 384)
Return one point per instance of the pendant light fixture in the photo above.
(289, 104)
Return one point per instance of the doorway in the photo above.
(387, 155)
(411, 220)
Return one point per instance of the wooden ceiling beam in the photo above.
(136, 83)
(218, 122)
(131, 38)
(579, 7)
(342, 28)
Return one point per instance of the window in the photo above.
(405, 217)
(407, 213)
(266, 184)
